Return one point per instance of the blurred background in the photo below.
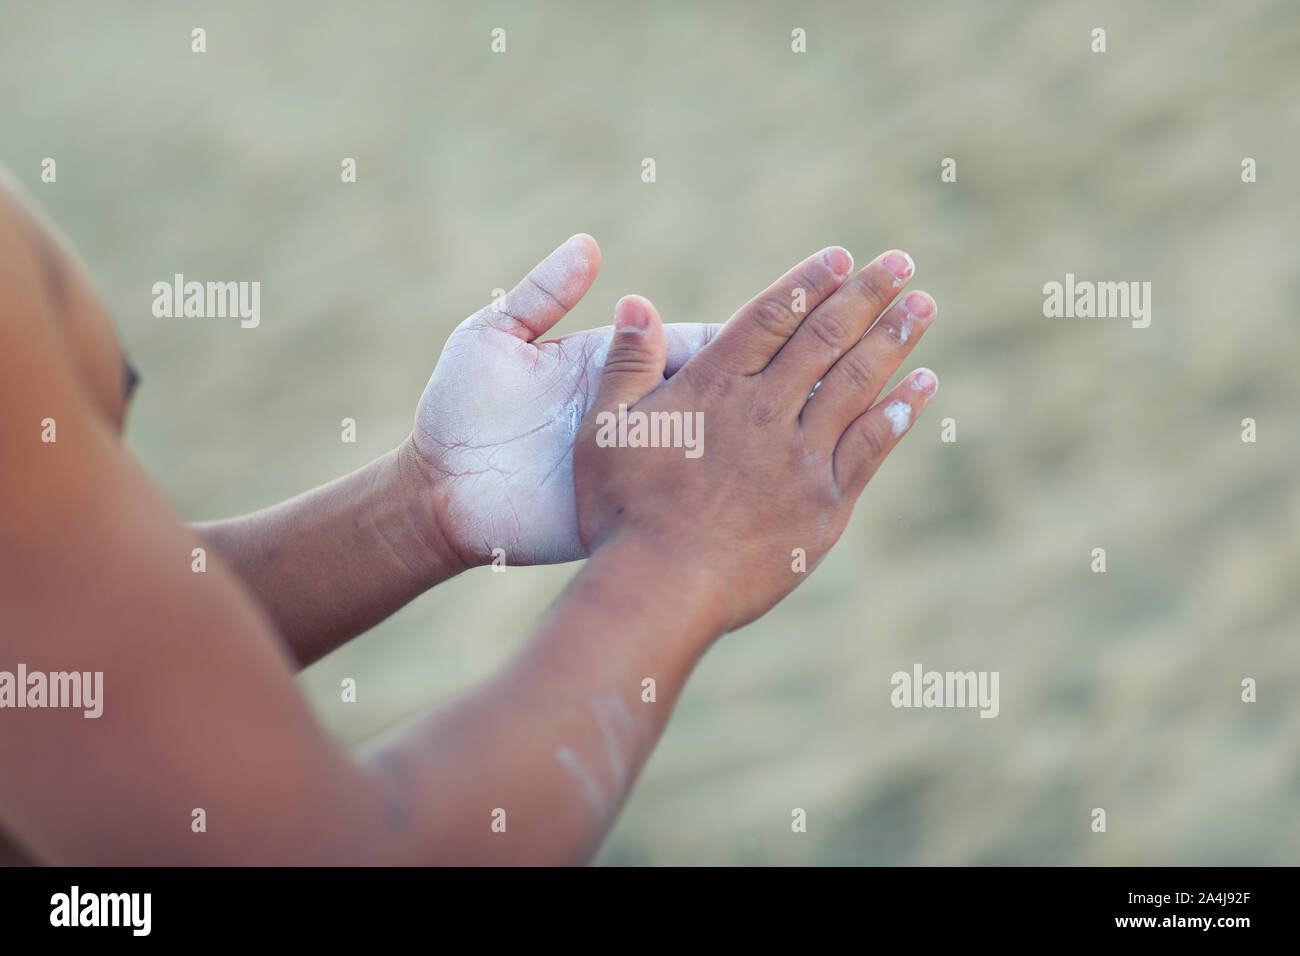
(1119, 690)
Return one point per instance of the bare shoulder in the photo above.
(194, 702)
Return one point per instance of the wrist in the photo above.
(640, 578)
(407, 511)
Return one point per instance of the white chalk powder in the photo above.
(591, 787)
(899, 414)
(615, 721)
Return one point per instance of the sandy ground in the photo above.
(1119, 691)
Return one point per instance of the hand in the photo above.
(787, 431)
(494, 429)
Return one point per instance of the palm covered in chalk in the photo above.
(496, 424)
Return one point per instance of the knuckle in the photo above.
(814, 284)
(707, 377)
(821, 280)
(621, 358)
(772, 315)
(876, 287)
(857, 371)
(829, 329)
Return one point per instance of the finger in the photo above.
(546, 294)
(873, 434)
(855, 381)
(684, 339)
(753, 335)
(634, 366)
(835, 326)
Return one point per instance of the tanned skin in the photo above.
(201, 709)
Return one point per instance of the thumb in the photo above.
(546, 294)
(634, 366)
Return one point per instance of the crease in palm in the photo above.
(496, 424)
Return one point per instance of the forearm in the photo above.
(558, 738)
(334, 561)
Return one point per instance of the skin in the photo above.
(752, 385)
(488, 465)
(505, 467)
(200, 705)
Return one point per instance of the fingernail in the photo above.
(900, 264)
(923, 380)
(918, 305)
(630, 315)
(838, 260)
